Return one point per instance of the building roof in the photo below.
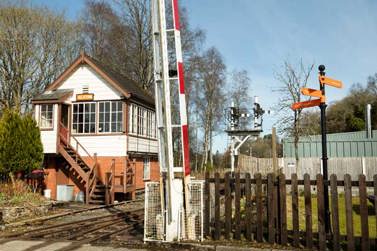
(55, 95)
(128, 87)
(126, 83)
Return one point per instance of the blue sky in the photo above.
(259, 35)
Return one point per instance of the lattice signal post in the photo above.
(321, 102)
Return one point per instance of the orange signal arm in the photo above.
(306, 104)
(323, 80)
(311, 92)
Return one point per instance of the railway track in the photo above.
(74, 212)
(119, 224)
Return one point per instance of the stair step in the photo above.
(98, 196)
(100, 191)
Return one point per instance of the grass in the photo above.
(342, 215)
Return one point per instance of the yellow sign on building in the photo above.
(84, 97)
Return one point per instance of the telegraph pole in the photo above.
(323, 106)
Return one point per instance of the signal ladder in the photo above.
(168, 222)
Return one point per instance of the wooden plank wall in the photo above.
(339, 166)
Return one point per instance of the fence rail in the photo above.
(288, 212)
(339, 166)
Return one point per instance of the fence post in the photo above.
(375, 202)
(349, 221)
(321, 213)
(295, 219)
(207, 200)
(217, 207)
(270, 207)
(112, 194)
(228, 206)
(237, 203)
(107, 188)
(248, 207)
(283, 209)
(258, 195)
(308, 212)
(335, 212)
(363, 213)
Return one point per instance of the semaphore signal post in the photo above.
(321, 102)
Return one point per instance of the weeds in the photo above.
(18, 193)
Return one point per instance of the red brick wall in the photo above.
(154, 172)
(50, 178)
(104, 165)
(56, 177)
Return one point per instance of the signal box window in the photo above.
(84, 118)
(46, 118)
(110, 117)
(147, 169)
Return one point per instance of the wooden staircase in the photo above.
(83, 172)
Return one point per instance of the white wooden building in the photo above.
(93, 121)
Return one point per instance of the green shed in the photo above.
(349, 144)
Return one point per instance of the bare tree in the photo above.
(239, 87)
(35, 46)
(292, 79)
(208, 97)
(136, 15)
(119, 34)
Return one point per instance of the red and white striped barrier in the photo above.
(182, 97)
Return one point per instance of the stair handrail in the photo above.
(91, 176)
(130, 174)
(112, 189)
(91, 179)
(110, 184)
(64, 137)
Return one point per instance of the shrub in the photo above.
(20, 144)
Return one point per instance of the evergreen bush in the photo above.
(20, 143)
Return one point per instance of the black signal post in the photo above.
(323, 106)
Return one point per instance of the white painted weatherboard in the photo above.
(136, 144)
(48, 137)
(85, 76)
(109, 145)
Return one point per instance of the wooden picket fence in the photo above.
(255, 209)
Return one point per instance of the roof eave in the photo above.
(83, 59)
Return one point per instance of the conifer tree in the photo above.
(20, 144)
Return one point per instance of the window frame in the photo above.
(48, 128)
(83, 123)
(142, 121)
(147, 164)
(120, 102)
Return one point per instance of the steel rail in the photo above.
(55, 226)
(95, 219)
(47, 218)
